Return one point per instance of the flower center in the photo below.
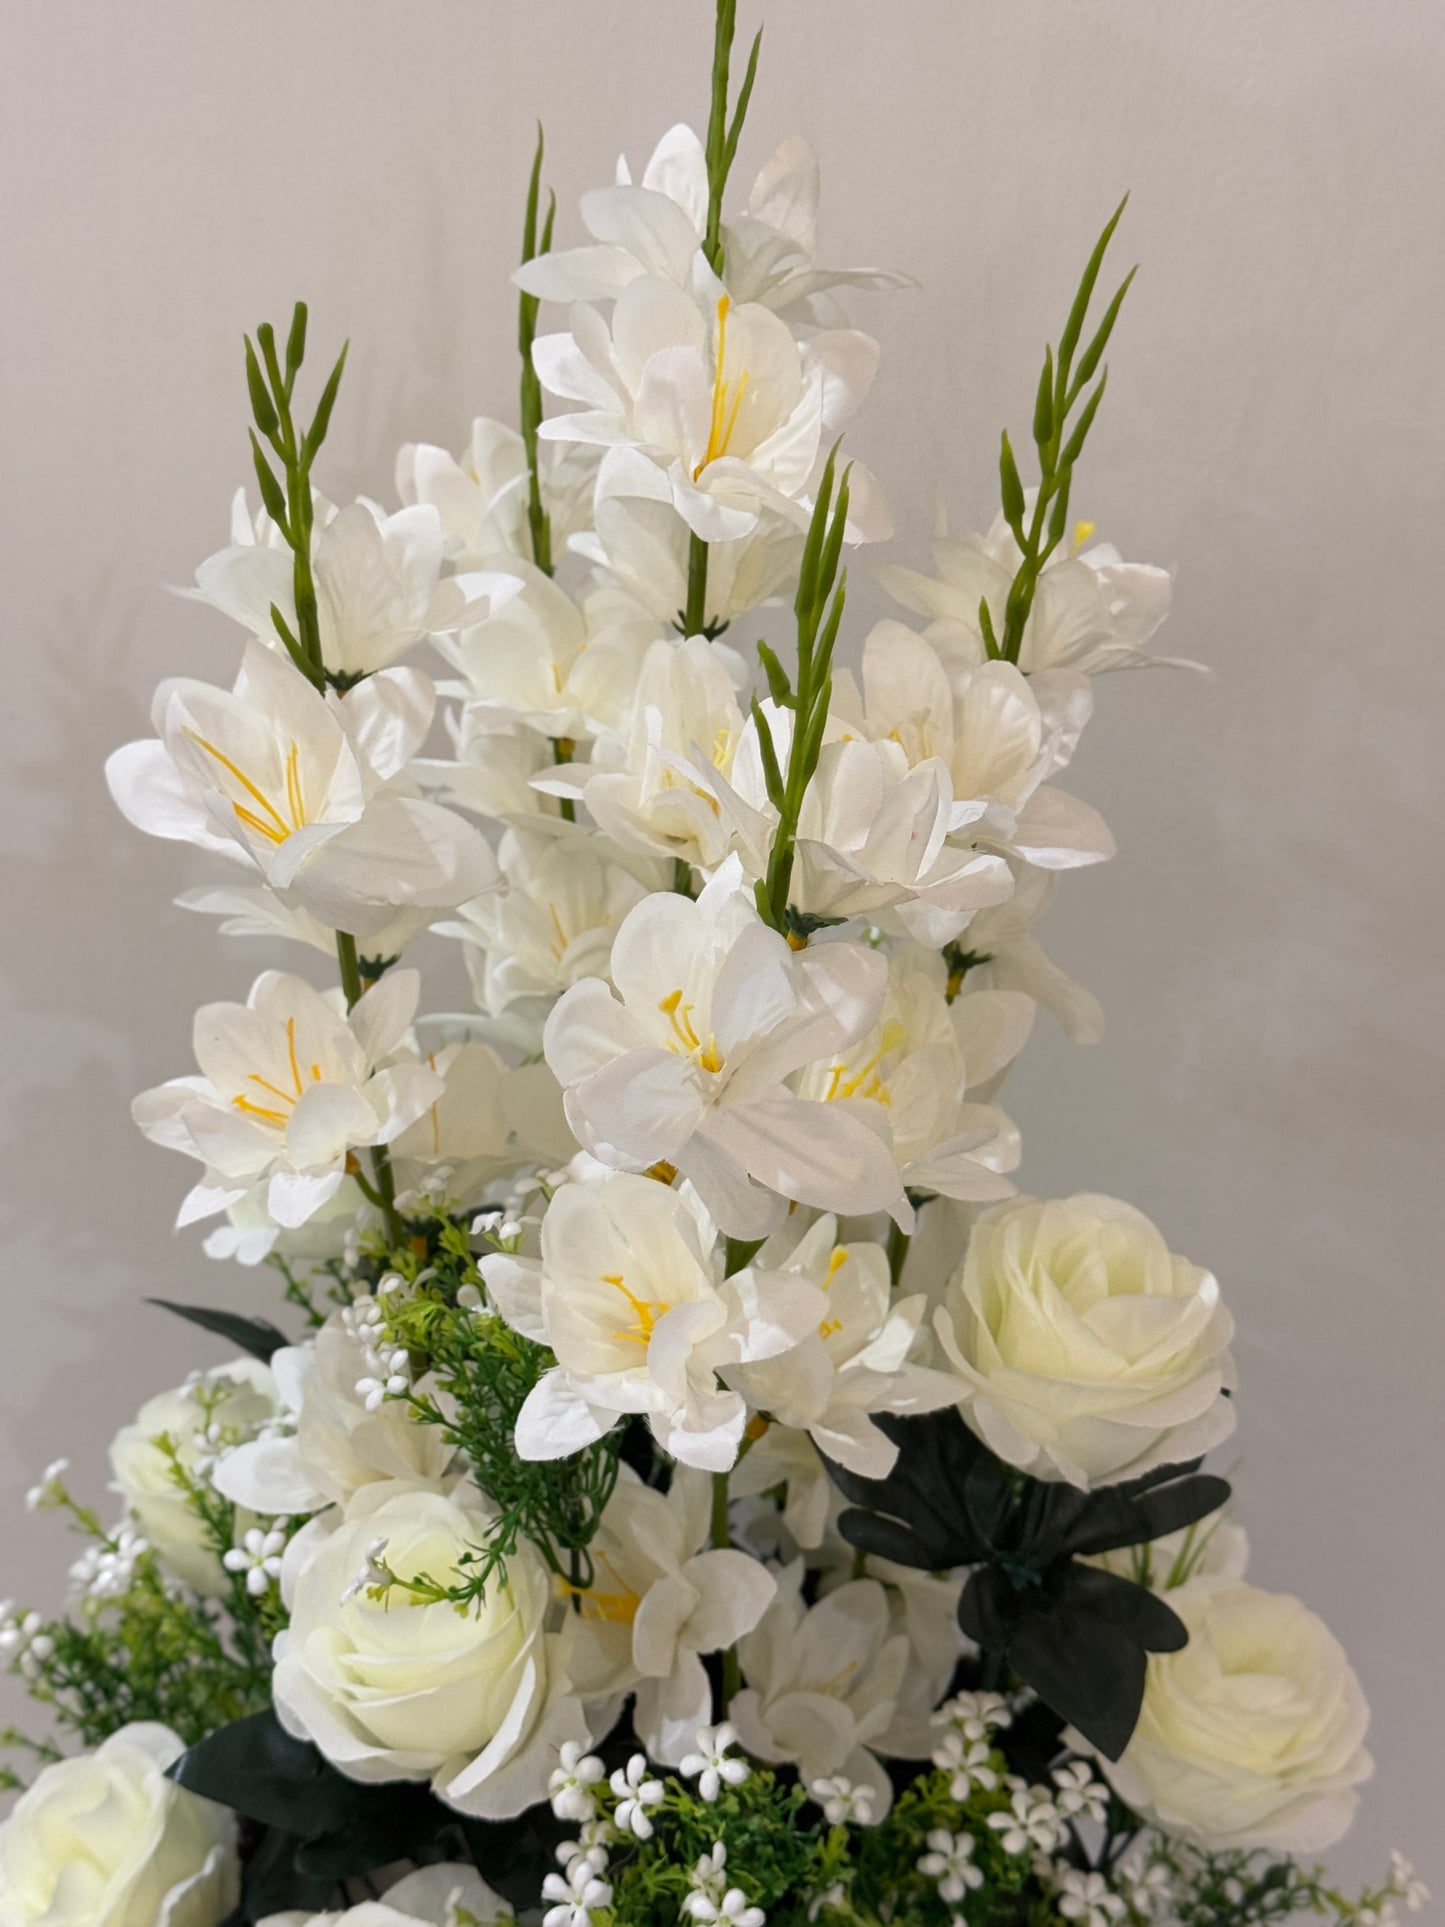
(646, 1312)
(684, 1040)
(727, 396)
(616, 1606)
(283, 1097)
(866, 1079)
(267, 820)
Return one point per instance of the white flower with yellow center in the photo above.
(821, 1684)
(478, 1703)
(629, 1295)
(289, 1087)
(912, 1065)
(1092, 611)
(854, 1363)
(686, 1062)
(304, 786)
(659, 1598)
(733, 412)
(379, 586)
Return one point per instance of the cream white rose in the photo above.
(217, 1410)
(438, 1896)
(1253, 1734)
(105, 1840)
(476, 1702)
(1085, 1350)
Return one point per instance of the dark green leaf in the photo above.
(394, 1828)
(253, 1335)
(1118, 1518)
(256, 1767)
(923, 1493)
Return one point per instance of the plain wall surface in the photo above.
(1267, 943)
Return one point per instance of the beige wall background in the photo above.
(1267, 943)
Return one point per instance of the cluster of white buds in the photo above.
(1089, 1899)
(949, 1861)
(258, 1556)
(842, 1802)
(636, 1792)
(385, 1369)
(1407, 1884)
(105, 1570)
(374, 1573)
(1031, 1823)
(1080, 1796)
(50, 1492)
(572, 1781)
(712, 1764)
(580, 1889)
(22, 1642)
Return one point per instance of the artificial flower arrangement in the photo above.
(692, 1484)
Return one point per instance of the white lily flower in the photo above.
(910, 1064)
(304, 786)
(1009, 958)
(639, 549)
(553, 922)
(659, 1598)
(855, 1363)
(1092, 611)
(998, 733)
(535, 661)
(491, 1122)
(491, 770)
(481, 495)
(822, 1683)
(657, 227)
(650, 791)
(686, 1062)
(629, 1295)
(734, 413)
(379, 587)
(289, 1087)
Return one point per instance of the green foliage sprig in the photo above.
(1058, 446)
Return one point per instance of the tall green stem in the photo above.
(539, 522)
(694, 616)
(384, 1190)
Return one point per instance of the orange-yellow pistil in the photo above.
(283, 1097)
(727, 396)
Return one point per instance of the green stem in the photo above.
(539, 522)
(563, 750)
(694, 617)
(898, 1243)
(383, 1193)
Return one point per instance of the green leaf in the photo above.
(779, 687)
(295, 344)
(262, 406)
(271, 494)
(806, 600)
(544, 246)
(534, 192)
(256, 1767)
(254, 1335)
(321, 421)
(1073, 327)
(1013, 489)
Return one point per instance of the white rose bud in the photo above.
(1086, 1351)
(242, 1396)
(1252, 1735)
(106, 1839)
(478, 1702)
(437, 1896)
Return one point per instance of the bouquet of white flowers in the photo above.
(692, 1484)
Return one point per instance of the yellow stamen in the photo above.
(558, 948)
(685, 1040)
(258, 1110)
(276, 829)
(1082, 532)
(647, 1312)
(617, 1608)
(664, 1172)
(829, 1326)
(837, 1258)
(291, 1053)
(727, 397)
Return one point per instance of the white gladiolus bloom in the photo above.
(657, 227)
(217, 1411)
(1092, 611)
(477, 1702)
(1084, 1349)
(492, 768)
(687, 1062)
(1007, 956)
(379, 587)
(491, 1123)
(629, 1295)
(857, 1360)
(536, 661)
(659, 1598)
(650, 789)
(639, 548)
(552, 923)
(822, 1684)
(304, 787)
(289, 1087)
(106, 1838)
(481, 495)
(1253, 1734)
(915, 1066)
(734, 413)
(999, 735)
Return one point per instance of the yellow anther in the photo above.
(270, 823)
(617, 1607)
(829, 1326)
(664, 1172)
(646, 1311)
(837, 1258)
(684, 1039)
(1082, 532)
(727, 397)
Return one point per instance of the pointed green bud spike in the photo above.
(321, 421)
(534, 191)
(779, 687)
(262, 406)
(740, 114)
(266, 336)
(1073, 447)
(271, 494)
(544, 246)
(1013, 489)
(772, 773)
(1090, 358)
(985, 624)
(1074, 326)
(296, 343)
(1044, 402)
